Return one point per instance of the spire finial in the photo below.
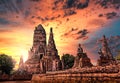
(51, 29)
(104, 36)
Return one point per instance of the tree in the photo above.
(118, 56)
(68, 61)
(6, 63)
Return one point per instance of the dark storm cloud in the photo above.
(82, 34)
(27, 13)
(19, 1)
(69, 3)
(43, 19)
(19, 4)
(35, 0)
(52, 17)
(75, 34)
(70, 32)
(69, 12)
(69, 6)
(56, 2)
(40, 18)
(108, 3)
(2, 10)
(74, 29)
(111, 15)
(11, 5)
(100, 15)
(4, 21)
(75, 4)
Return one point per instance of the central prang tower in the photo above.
(39, 38)
(42, 57)
(39, 43)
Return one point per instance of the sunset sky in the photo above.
(73, 22)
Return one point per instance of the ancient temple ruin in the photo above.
(106, 57)
(43, 57)
(21, 64)
(82, 60)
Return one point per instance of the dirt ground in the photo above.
(16, 82)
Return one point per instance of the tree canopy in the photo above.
(6, 63)
(118, 56)
(68, 60)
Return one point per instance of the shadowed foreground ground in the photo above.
(16, 82)
(75, 78)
